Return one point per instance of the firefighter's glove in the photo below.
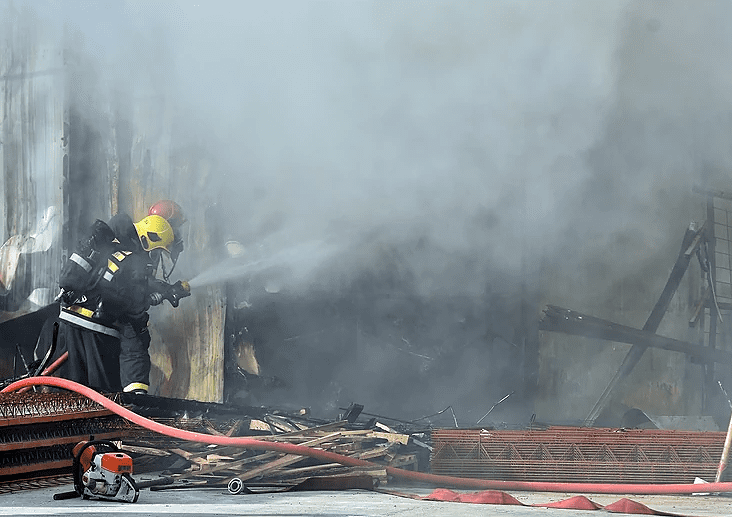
(179, 290)
(173, 293)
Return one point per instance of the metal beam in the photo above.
(712, 193)
(708, 386)
(689, 243)
(558, 319)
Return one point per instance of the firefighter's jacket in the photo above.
(116, 292)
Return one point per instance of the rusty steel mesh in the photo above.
(577, 454)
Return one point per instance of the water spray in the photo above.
(298, 261)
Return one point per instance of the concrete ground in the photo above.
(218, 501)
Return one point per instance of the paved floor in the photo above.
(344, 503)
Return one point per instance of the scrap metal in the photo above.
(697, 242)
(40, 429)
(559, 319)
(576, 454)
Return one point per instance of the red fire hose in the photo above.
(433, 479)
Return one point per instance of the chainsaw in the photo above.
(102, 471)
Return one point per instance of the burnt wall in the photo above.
(661, 138)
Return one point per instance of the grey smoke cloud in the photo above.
(418, 118)
(435, 118)
(478, 139)
(480, 125)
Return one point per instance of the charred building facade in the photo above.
(398, 246)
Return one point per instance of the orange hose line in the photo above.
(331, 457)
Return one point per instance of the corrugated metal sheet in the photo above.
(32, 150)
(67, 143)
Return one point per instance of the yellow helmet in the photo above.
(155, 232)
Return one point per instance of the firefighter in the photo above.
(134, 359)
(105, 290)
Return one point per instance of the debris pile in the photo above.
(190, 464)
(41, 429)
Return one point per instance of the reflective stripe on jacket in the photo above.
(84, 318)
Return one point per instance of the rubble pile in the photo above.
(189, 464)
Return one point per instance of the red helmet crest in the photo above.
(170, 211)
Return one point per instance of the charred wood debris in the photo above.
(382, 441)
(29, 458)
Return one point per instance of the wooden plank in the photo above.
(403, 460)
(207, 469)
(377, 473)
(311, 430)
(282, 424)
(375, 452)
(299, 471)
(228, 451)
(259, 425)
(390, 437)
(184, 454)
(210, 469)
(215, 458)
(286, 460)
(235, 427)
(211, 428)
(384, 427)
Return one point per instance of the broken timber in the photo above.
(575, 323)
(215, 467)
(564, 320)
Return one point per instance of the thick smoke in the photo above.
(444, 153)
(423, 120)
(664, 132)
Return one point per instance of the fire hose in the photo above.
(421, 477)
